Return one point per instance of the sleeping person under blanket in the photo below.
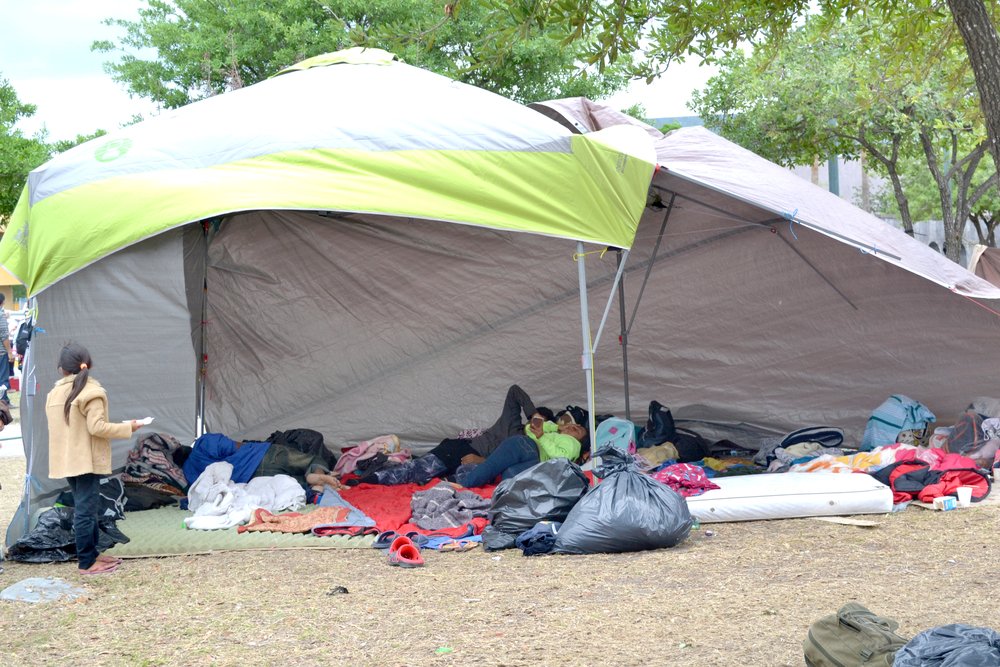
(259, 459)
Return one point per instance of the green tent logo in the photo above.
(112, 150)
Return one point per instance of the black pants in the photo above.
(87, 505)
(510, 423)
(451, 451)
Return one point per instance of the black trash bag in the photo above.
(659, 426)
(627, 511)
(113, 499)
(690, 446)
(544, 492)
(954, 645)
(497, 540)
(53, 539)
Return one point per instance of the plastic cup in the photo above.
(964, 496)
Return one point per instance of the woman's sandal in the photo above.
(458, 545)
(385, 539)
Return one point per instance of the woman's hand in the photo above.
(135, 425)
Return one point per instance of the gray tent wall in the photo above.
(132, 311)
(362, 326)
(746, 322)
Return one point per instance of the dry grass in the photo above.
(743, 596)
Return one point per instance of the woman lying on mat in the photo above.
(543, 440)
(445, 459)
(259, 459)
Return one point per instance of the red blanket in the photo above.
(389, 506)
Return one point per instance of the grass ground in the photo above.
(744, 595)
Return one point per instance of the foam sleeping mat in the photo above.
(161, 532)
(791, 495)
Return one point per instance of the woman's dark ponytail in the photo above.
(75, 360)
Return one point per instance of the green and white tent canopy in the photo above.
(355, 131)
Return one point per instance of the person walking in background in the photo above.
(7, 363)
(80, 449)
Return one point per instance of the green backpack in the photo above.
(852, 637)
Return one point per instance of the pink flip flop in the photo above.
(108, 570)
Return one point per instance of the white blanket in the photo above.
(218, 502)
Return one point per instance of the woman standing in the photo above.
(80, 448)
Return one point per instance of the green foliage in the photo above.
(826, 91)
(201, 48)
(18, 154)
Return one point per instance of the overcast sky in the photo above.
(45, 54)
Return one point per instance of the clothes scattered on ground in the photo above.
(446, 505)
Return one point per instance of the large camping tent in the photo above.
(773, 302)
(339, 247)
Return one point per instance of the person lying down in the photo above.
(445, 459)
(252, 459)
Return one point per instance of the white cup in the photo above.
(964, 496)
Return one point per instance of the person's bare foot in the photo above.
(99, 568)
(109, 559)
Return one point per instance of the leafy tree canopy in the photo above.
(825, 91)
(179, 51)
(18, 154)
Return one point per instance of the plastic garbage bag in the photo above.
(544, 492)
(498, 540)
(41, 589)
(954, 645)
(627, 511)
(53, 540)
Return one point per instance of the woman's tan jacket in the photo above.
(83, 445)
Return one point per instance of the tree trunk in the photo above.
(983, 46)
(866, 191)
(814, 171)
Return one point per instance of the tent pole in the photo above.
(611, 296)
(203, 362)
(624, 335)
(588, 350)
(652, 260)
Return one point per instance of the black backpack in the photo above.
(23, 336)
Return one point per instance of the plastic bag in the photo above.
(53, 539)
(627, 511)
(954, 644)
(544, 492)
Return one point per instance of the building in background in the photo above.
(7, 284)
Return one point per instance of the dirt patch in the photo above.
(743, 596)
